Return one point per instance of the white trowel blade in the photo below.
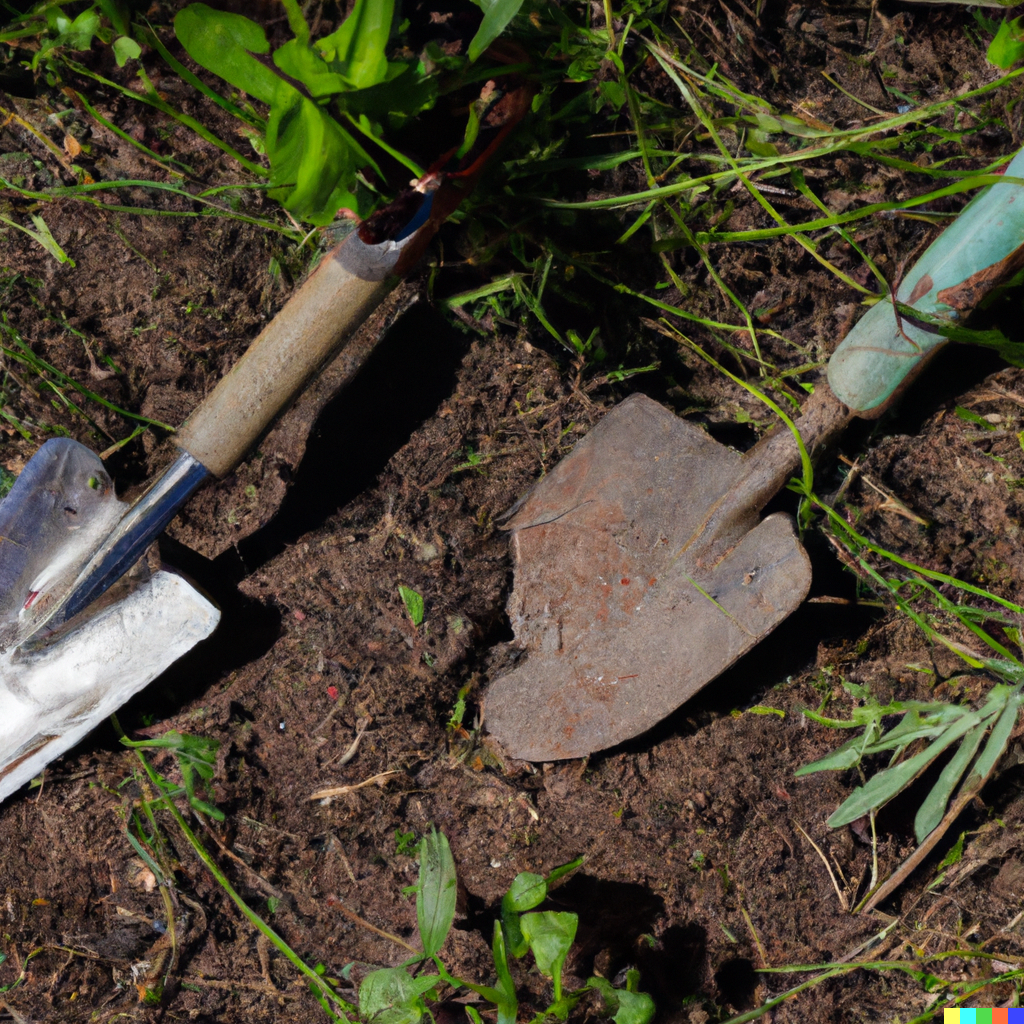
(52, 697)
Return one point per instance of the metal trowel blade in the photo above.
(627, 600)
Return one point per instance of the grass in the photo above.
(682, 211)
(399, 995)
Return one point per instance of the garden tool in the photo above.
(348, 285)
(52, 692)
(68, 656)
(642, 570)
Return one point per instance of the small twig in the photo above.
(843, 902)
(251, 986)
(352, 915)
(344, 860)
(354, 745)
(903, 872)
(15, 1016)
(753, 932)
(333, 791)
(263, 952)
(893, 504)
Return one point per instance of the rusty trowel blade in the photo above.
(625, 605)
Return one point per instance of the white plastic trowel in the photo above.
(57, 688)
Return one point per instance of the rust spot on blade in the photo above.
(923, 287)
(966, 295)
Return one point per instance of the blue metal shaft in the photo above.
(141, 525)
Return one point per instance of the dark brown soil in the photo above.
(701, 864)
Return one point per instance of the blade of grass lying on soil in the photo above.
(83, 193)
(151, 98)
(839, 141)
(42, 236)
(317, 982)
(389, 993)
(945, 724)
(917, 970)
(59, 382)
(164, 161)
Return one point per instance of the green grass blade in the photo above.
(997, 741)
(183, 72)
(930, 813)
(881, 788)
(151, 99)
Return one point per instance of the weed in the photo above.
(13, 345)
(388, 995)
(459, 709)
(1007, 46)
(942, 726)
(405, 843)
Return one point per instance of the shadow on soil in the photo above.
(411, 371)
(409, 374)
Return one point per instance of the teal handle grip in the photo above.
(980, 250)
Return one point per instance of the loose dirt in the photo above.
(706, 859)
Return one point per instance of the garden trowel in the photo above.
(77, 636)
(642, 569)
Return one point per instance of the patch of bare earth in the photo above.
(699, 864)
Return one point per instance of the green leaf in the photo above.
(996, 744)
(118, 13)
(846, 756)
(297, 21)
(356, 49)
(43, 236)
(436, 891)
(881, 788)
(391, 996)
(311, 159)
(508, 1004)
(224, 43)
(562, 870)
(930, 813)
(915, 726)
(497, 15)
(634, 1008)
(126, 49)
(413, 604)
(550, 935)
(526, 892)
(79, 33)
(300, 62)
(1008, 45)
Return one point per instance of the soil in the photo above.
(705, 858)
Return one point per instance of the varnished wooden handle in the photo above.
(314, 324)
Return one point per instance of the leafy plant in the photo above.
(940, 726)
(392, 996)
(314, 156)
(197, 759)
(937, 725)
(324, 94)
(1007, 47)
(59, 30)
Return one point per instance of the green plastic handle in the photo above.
(980, 250)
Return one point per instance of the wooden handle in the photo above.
(314, 324)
